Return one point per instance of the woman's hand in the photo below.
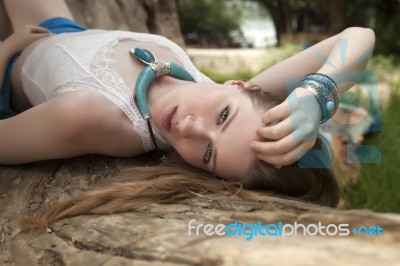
(23, 37)
(290, 129)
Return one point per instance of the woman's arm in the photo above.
(6, 52)
(292, 126)
(337, 54)
(16, 42)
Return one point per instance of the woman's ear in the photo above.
(252, 88)
(243, 85)
(238, 83)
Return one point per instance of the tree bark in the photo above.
(158, 234)
(281, 15)
(337, 16)
(154, 16)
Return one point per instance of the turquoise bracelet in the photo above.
(326, 92)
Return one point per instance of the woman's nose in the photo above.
(192, 126)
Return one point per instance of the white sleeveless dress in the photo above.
(84, 61)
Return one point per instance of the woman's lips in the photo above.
(167, 117)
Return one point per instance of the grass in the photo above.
(222, 77)
(378, 186)
(275, 55)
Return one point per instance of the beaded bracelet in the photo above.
(325, 90)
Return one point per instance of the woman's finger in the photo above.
(286, 144)
(37, 29)
(281, 146)
(37, 36)
(276, 131)
(276, 113)
(289, 157)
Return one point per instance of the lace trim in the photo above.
(112, 85)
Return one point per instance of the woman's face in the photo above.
(210, 126)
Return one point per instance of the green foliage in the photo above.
(383, 65)
(387, 39)
(387, 17)
(244, 74)
(254, 11)
(208, 17)
(281, 54)
(383, 16)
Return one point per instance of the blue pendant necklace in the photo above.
(152, 71)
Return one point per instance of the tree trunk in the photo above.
(154, 16)
(281, 15)
(337, 16)
(158, 235)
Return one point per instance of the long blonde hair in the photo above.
(176, 180)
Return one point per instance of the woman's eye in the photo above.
(208, 155)
(224, 115)
(222, 118)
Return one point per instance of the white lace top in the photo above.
(84, 61)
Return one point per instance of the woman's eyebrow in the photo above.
(224, 127)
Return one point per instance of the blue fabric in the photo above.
(59, 25)
(56, 25)
(5, 94)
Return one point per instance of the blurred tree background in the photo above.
(318, 19)
(321, 16)
(208, 21)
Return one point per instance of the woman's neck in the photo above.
(163, 85)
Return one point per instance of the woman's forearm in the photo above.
(350, 57)
(325, 57)
(17, 42)
(6, 53)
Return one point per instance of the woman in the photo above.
(73, 95)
